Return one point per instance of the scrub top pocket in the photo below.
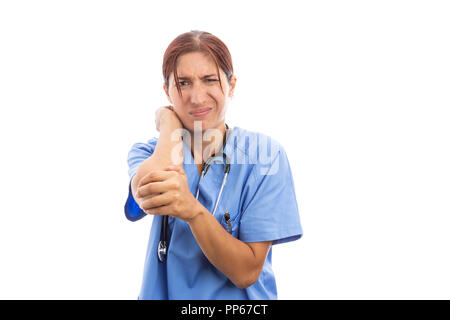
(229, 220)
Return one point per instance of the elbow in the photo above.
(247, 280)
(245, 284)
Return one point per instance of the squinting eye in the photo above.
(209, 80)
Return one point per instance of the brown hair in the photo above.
(197, 41)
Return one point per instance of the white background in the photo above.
(356, 91)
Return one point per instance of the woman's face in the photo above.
(203, 99)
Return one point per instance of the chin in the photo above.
(205, 124)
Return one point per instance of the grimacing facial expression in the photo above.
(203, 99)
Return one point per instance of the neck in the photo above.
(211, 142)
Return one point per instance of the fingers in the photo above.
(175, 168)
(155, 176)
(157, 182)
(161, 211)
(156, 201)
(153, 188)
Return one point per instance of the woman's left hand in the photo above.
(166, 192)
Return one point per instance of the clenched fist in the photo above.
(167, 116)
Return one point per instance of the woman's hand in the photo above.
(167, 116)
(166, 192)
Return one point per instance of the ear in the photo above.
(167, 93)
(232, 86)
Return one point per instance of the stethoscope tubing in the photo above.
(162, 245)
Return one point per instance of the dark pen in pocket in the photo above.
(227, 219)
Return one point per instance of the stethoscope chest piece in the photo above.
(162, 251)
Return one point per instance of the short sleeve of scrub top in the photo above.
(270, 211)
(260, 198)
(138, 153)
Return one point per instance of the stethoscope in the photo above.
(162, 245)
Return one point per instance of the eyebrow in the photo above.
(206, 76)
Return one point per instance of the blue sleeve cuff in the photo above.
(277, 237)
(132, 210)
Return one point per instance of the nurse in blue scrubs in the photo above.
(218, 215)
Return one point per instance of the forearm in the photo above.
(168, 151)
(234, 258)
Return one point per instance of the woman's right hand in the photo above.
(167, 116)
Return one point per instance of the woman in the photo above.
(219, 202)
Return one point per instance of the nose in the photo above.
(198, 95)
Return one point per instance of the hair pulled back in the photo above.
(197, 41)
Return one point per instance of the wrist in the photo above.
(197, 213)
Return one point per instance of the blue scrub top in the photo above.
(260, 197)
